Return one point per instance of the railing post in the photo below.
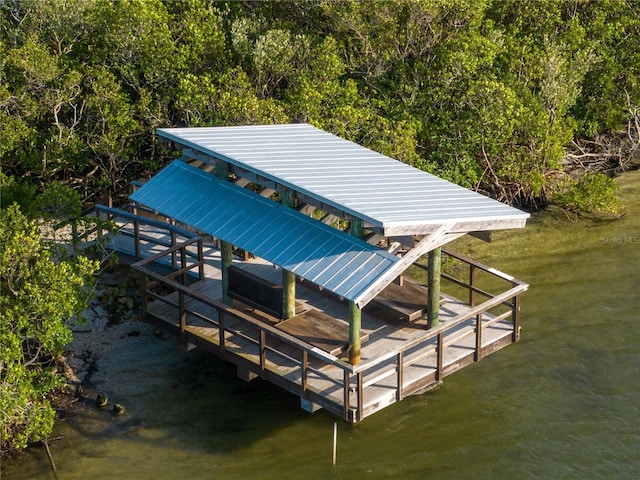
(174, 258)
(400, 376)
(183, 313)
(347, 395)
(440, 357)
(221, 335)
(477, 356)
(183, 265)
(136, 235)
(304, 365)
(360, 395)
(200, 259)
(226, 252)
(472, 284)
(263, 352)
(515, 316)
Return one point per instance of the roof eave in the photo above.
(459, 227)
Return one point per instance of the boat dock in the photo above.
(307, 355)
(317, 264)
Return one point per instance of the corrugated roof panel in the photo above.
(347, 176)
(316, 252)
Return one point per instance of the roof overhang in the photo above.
(404, 204)
(318, 253)
(392, 198)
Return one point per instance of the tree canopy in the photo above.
(506, 97)
(489, 94)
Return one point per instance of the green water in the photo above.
(564, 403)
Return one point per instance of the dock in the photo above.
(286, 251)
(400, 355)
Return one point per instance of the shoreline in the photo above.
(96, 336)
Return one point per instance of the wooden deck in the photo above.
(307, 355)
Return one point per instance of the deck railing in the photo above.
(187, 262)
(266, 339)
(156, 232)
(179, 253)
(437, 339)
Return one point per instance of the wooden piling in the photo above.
(288, 294)
(355, 318)
(355, 314)
(433, 285)
(287, 198)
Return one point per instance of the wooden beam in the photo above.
(433, 285)
(436, 239)
(459, 227)
(355, 318)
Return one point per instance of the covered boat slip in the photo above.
(329, 228)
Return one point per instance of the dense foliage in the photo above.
(487, 93)
(40, 291)
(490, 94)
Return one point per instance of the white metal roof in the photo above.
(388, 194)
(327, 257)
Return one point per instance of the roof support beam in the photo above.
(438, 238)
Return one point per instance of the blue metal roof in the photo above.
(390, 195)
(321, 254)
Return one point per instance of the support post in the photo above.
(226, 252)
(433, 285)
(287, 198)
(355, 317)
(288, 294)
(226, 249)
(355, 314)
(222, 170)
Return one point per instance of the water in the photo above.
(564, 403)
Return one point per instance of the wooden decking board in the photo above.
(407, 302)
(319, 329)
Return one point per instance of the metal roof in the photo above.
(390, 195)
(321, 254)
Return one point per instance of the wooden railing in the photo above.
(188, 262)
(435, 341)
(263, 336)
(156, 232)
(183, 261)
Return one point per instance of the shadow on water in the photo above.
(564, 403)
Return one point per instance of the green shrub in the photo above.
(38, 294)
(594, 193)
